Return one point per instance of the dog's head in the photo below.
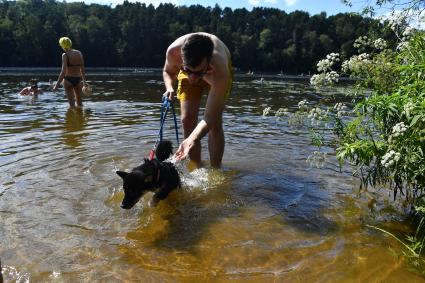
(163, 150)
(137, 182)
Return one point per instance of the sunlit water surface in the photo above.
(267, 216)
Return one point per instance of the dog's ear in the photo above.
(122, 174)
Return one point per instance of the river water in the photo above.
(268, 216)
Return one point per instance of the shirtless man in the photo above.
(32, 89)
(199, 62)
(72, 74)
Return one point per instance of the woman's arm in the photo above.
(83, 70)
(62, 73)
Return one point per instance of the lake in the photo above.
(268, 216)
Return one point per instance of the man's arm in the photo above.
(24, 91)
(212, 116)
(170, 71)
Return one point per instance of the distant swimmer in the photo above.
(73, 74)
(32, 89)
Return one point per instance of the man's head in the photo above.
(196, 54)
(195, 49)
(33, 83)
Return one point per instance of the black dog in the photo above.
(154, 175)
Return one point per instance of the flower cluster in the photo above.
(332, 77)
(281, 112)
(408, 107)
(362, 42)
(340, 108)
(380, 44)
(407, 34)
(395, 20)
(390, 158)
(399, 129)
(315, 113)
(356, 63)
(266, 111)
(318, 79)
(303, 104)
(324, 78)
(403, 46)
(326, 64)
(317, 159)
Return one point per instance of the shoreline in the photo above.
(129, 71)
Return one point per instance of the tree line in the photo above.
(137, 35)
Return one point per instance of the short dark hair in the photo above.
(195, 48)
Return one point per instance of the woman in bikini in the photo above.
(72, 74)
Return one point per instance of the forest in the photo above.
(137, 35)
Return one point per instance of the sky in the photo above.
(331, 7)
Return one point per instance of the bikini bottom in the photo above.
(73, 80)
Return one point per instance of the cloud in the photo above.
(260, 2)
(291, 2)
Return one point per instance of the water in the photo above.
(268, 216)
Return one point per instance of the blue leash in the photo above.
(164, 111)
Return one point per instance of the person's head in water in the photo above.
(34, 83)
(196, 55)
(65, 43)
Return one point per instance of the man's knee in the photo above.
(216, 129)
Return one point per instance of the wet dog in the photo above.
(154, 175)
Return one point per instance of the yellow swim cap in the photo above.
(65, 43)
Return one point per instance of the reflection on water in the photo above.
(75, 122)
(268, 216)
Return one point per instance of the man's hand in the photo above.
(184, 149)
(170, 95)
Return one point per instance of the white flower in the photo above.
(403, 45)
(380, 44)
(324, 65)
(340, 108)
(303, 104)
(399, 129)
(390, 158)
(266, 111)
(362, 42)
(318, 79)
(315, 113)
(332, 77)
(317, 159)
(408, 107)
(282, 112)
(356, 63)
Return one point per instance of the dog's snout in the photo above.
(126, 206)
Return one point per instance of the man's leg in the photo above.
(216, 145)
(189, 117)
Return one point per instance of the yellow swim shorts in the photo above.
(186, 90)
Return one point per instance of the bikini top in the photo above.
(69, 64)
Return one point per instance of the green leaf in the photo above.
(414, 120)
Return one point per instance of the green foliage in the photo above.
(383, 137)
